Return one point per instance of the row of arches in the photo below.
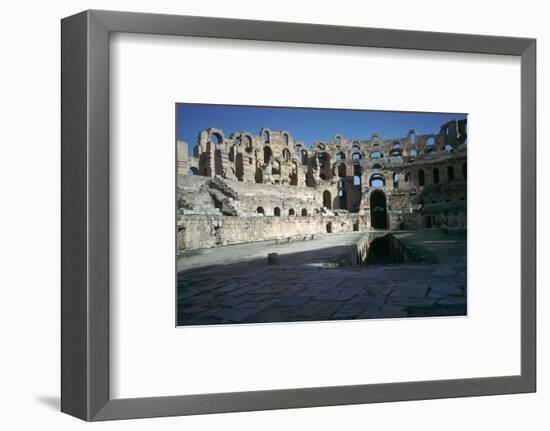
(436, 178)
(277, 211)
(378, 209)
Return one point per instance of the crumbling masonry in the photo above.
(270, 186)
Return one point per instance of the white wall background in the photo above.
(29, 220)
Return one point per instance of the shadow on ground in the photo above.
(302, 287)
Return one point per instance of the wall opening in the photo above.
(276, 168)
(436, 175)
(304, 157)
(450, 173)
(329, 227)
(378, 212)
(395, 178)
(421, 178)
(277, 212)
(291, 212)
(377, 181)
(239, 167)
(324, 166)
(260, 210)
(341, 170)
(327, 199)
(216, 138)
(304, 212)
(343, 199)
(286, 154)
(267, 154)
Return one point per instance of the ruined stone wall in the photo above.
(197, 232)
(272, 184)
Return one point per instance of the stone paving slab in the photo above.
(242, 288)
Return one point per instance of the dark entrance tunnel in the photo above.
(378, 213)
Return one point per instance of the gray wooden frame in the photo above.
(85, 215)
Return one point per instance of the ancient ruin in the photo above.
(245, 187)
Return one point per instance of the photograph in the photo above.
(291, 214)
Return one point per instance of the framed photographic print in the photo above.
(263, 215)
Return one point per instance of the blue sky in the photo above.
(304, 124)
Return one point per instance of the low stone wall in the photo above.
(197, 232)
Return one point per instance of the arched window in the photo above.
(356, 180)
(247, 144)
(395, 149)
(341, 170)
(356, 156)
(395, 180)
(340, 156)
(304, 157)
(421, 178)
(436, 175)
(377, 181)
(266, 137)
(355, 148)
(291, 212)
(260, 210)
(286, 154)
(216, 138)
(338, 139)
(324, 166)
(449, 148)
(414, 152)
(286, 138)
(412, 137)
(430, 141)
(375, 154)
(450, 173)
(304, 212)
(277, 212)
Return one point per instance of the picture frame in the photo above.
(85, 341)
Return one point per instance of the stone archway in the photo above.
(378, 211)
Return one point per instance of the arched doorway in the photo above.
(378, 212)
(327, 199)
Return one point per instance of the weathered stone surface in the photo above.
(317, 214)
(211, 290)
(270, 186)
